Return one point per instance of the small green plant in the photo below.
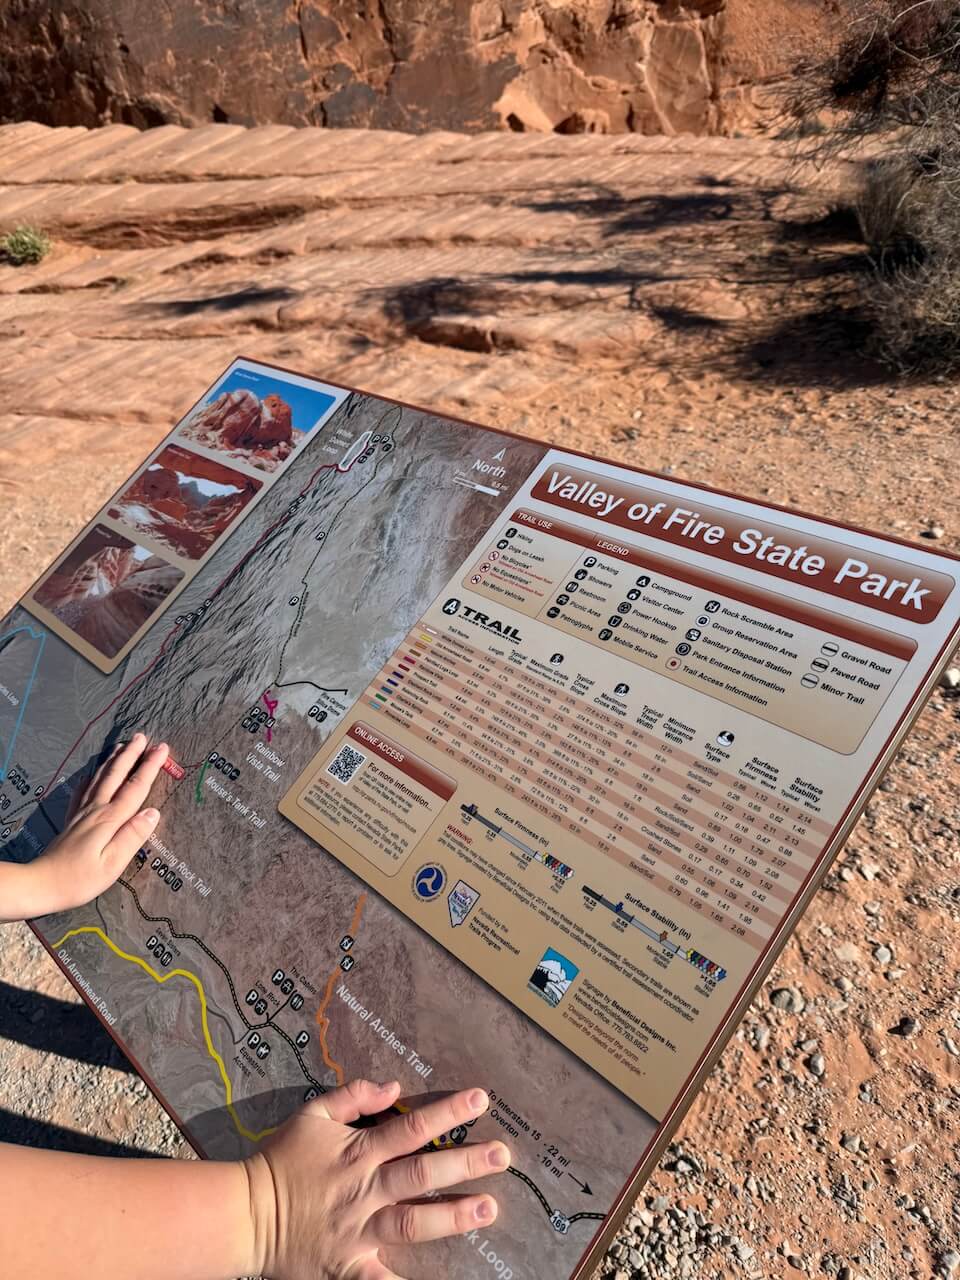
(25, 244)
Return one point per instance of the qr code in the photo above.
(345, 763)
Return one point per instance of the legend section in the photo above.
(813, 671)
(602, 769)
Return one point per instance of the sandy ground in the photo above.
(685, 305)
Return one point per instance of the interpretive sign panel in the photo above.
(492, 764)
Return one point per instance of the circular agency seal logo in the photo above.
(429, 881)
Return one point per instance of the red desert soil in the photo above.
(681, 304)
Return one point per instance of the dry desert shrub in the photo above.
(891, 91)
(24, 245)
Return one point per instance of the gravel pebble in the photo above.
(790, 999)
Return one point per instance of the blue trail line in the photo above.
(36, 635)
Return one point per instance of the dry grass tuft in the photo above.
(893, 83)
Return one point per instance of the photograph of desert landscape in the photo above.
(714, 239)
(107, 588)
(184, 501)
(255, 420)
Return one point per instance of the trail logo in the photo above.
(453, 605)
(460, 901)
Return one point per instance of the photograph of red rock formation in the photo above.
(257, 421)
(106, 588)
(185, 501)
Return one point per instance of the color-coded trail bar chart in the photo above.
(707, 967)
(559, 869)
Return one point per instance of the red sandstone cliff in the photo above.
(649, 66)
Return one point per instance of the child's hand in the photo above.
(105, 831)
(327, 1197)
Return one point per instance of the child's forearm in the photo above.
(125, 1219)
(25, 892)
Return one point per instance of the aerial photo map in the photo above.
(490, 765)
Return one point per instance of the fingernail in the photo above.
(483, 1211)
(499, 1157)
(161, 746)
(385, 1088)
(151, 816)
(477, 1100)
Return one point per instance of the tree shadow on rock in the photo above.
(825, 347)
(236, 300)
(423, 309)
(630, 215)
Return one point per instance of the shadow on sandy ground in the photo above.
(25, 1132)
(57, 1026)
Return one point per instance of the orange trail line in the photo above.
(322, 1020)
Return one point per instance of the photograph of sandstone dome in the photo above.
(260, 421)
(106, 588)
(185, 501)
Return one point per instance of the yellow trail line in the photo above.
(161, 978)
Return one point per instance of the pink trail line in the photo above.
(271, 704)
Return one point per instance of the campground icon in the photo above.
(460, 901)
(452, 605)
